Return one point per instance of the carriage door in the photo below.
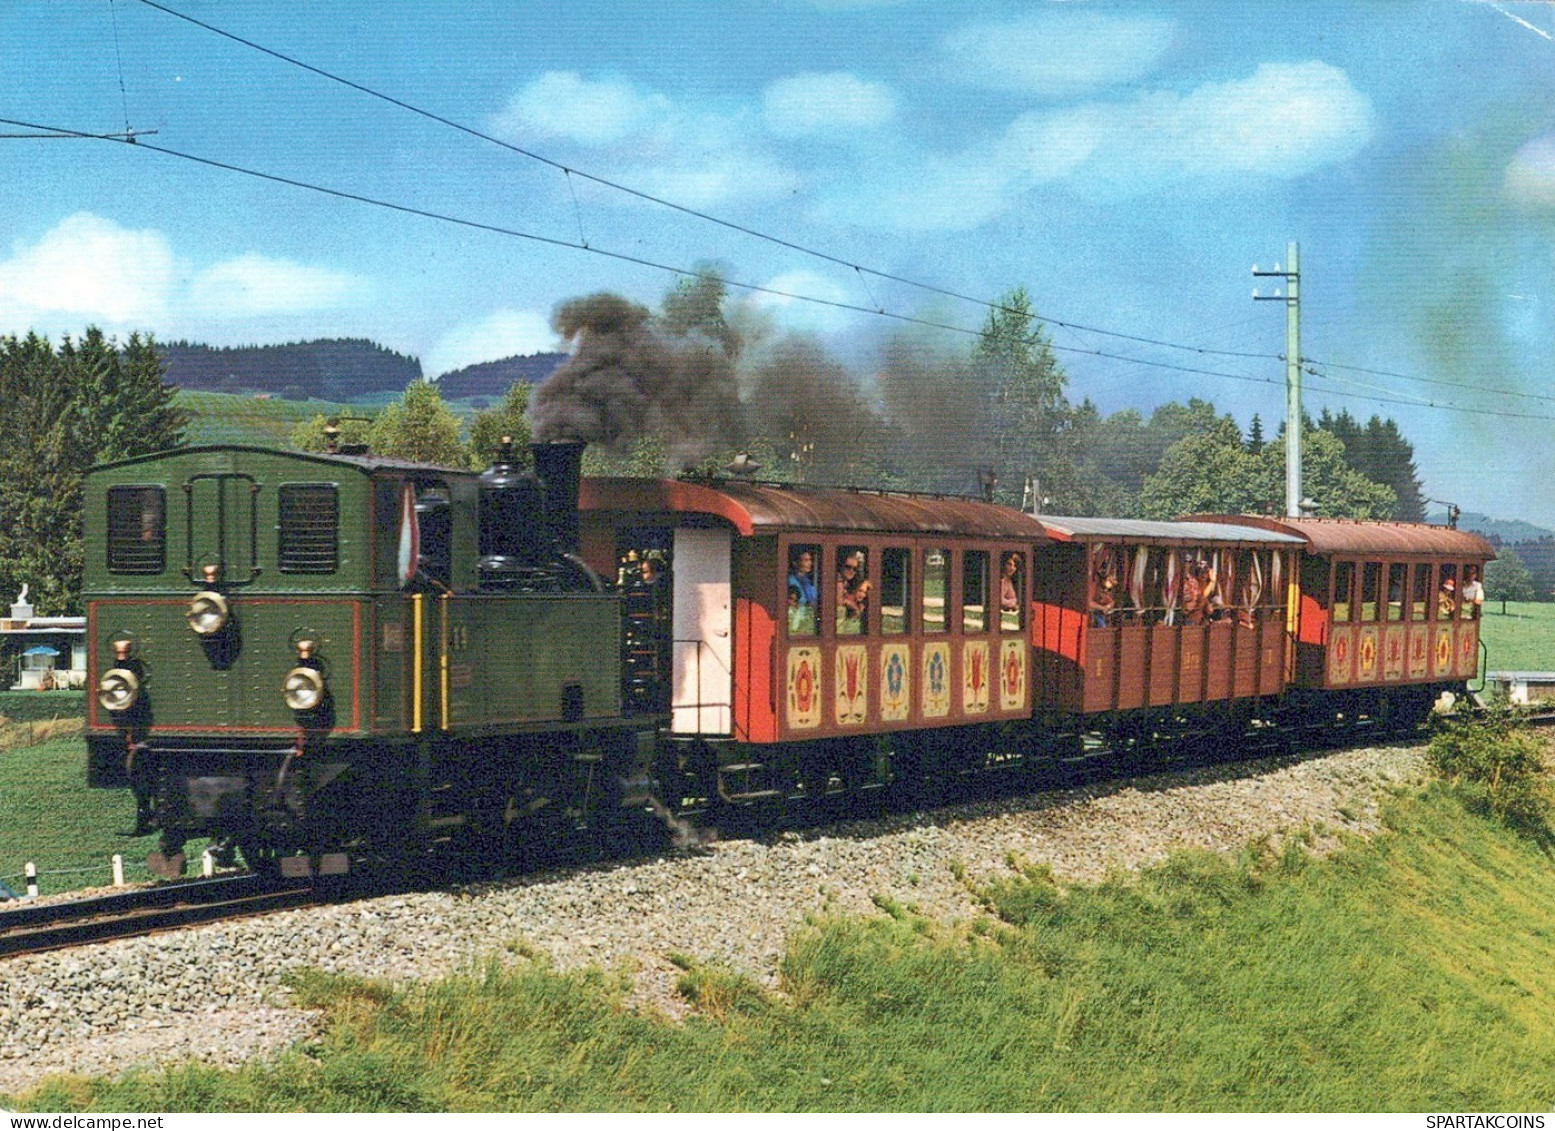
(222, 527)
(704, 657)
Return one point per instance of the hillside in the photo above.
(493, 378)
(334, 370)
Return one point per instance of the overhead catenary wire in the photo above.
(571, 171)
(134, 141)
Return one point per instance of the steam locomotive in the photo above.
(326, 660)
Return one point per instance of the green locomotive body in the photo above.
(303, 655)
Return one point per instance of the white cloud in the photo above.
(700, 156)
(87, 269)
(505, 333)
(1057, 53)
(256, 284)
(1530, 176)
(593, 112)
(818, 103)
(799, 316)
(1284, 120)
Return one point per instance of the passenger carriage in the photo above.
(1134, 615)
(774, 671)
(1383, 609)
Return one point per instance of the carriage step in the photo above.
(752, 795)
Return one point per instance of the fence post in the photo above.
(207, 864)
(118, 870)
(32, 880)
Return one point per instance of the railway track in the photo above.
(54, 926)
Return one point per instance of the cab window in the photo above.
(137, 530)
(308, 530)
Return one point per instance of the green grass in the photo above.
(1412, 973)
(49, 817)
(1520, 640)
(228, 418)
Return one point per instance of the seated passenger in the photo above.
(852, 597)
(1195, 593)
(801, 617)
(1009, 591)
(1102, 603)
(1473, 593)
(1446, 600)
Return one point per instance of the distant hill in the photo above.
(1502, 530)
(265, 420)
(493, 378)
(332, 370)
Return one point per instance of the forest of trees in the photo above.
(991, 416)
(62, 410)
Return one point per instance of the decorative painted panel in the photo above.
(1341, 656)
(1468, 651)
(1012, 675)
(850, 696)
(974, 677)
(1441, 658)
(803, 683)
(1393, 641)
(895, 683)
(1419, 651)
(936, 680)
(1366, 655)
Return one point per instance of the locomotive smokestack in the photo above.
(559, 464)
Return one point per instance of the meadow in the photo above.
(1414, 972)
(1522, 639)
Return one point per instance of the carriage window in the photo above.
(1344, 585)
(803, 597)
(1420, 592)
(854, 590)
(1447, 593)
(894, 590)
(1371, 581)
(974, 591)
(1473, 595)
(309, 528)
(1012, 590)
(137, 530)
(936, 590)
(1396, 573)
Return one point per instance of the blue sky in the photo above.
(1127, 163)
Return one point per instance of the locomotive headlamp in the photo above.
(208, 612)
(118, 689)
(303, 689)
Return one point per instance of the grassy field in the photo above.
(227, 418)
(1412, 973)
(1520, 640)
(74, 846)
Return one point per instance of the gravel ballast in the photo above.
(215, 992)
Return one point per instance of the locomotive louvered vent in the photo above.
(309, 528)
(137, 530)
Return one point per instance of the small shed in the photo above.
(42, 653)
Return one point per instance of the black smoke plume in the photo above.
(628, 378)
